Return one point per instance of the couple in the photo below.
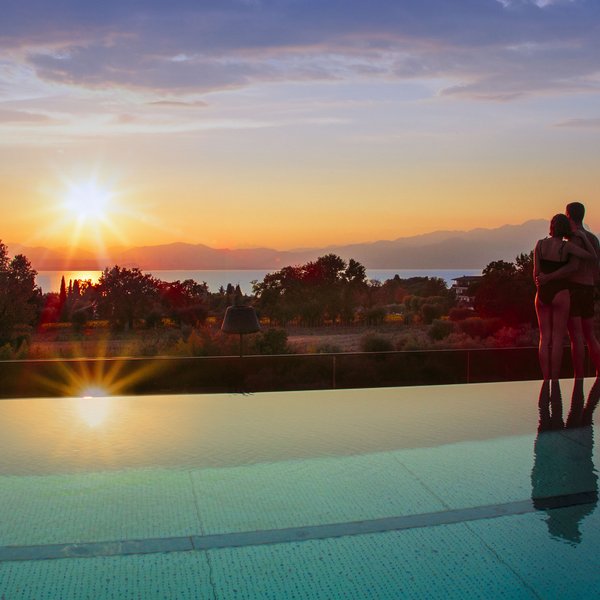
(566, 269)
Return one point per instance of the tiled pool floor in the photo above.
(450, 499)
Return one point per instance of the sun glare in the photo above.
(93, 410)
(87, 201)
(86, 214)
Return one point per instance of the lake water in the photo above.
(49, 281)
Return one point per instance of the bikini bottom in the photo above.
(547, 291)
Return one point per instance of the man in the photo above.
(581, 312)
(583, 275)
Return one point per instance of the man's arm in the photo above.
(581, 239)
(562, 273)
(596, 245)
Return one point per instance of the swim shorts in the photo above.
(582, 301)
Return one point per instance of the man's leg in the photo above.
(577, 347)
(577, 399)
(587, 326)
(592, 402)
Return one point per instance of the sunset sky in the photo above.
(293, 123)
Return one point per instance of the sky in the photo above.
(293, 123)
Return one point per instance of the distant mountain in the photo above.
(56, 259)
(437, 250)
(472, 249)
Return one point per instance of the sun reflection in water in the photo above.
(94, 406)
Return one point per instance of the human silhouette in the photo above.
(552, 301)
(582, 276)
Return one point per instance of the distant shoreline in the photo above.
(49, 281)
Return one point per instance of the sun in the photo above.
(87, 201)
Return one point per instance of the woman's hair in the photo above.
(560, 226)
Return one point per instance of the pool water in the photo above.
(429, 492)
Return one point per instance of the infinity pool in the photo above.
(429, 492)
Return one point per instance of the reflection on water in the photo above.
(563, 463)
(93, 409)
(65, 435)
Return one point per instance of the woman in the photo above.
(552, 298)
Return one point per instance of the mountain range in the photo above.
(471, 249)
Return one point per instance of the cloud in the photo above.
(538, 3)
(179, 103)
(125, 119)
(493, 50)
(24, 117)
(593, 123)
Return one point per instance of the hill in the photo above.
(471, 249)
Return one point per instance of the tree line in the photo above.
(328, 290)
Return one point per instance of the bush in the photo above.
(440, 329)
(79, 320)
(460, 314)
(460, 340)
(7, 352)
(327, 348)
(201, 342)
(375, 343)
(413, 339)
(409, 318)
(374, 316)
(429, 312)
(271, 341)
(153, 320)
(480, 328)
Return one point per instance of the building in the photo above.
(461, 287)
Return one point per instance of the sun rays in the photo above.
(85, 212)
(94, 379)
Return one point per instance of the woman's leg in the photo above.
(544, 315)
(560, 316)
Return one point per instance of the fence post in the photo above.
(468, 366)
(333, 365)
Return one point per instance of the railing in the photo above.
(175, 375)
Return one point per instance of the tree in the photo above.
(126, 295)
(63, 291)
(184, 302)
(507, 291)
(20, 297)
(326, 288)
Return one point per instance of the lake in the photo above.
(49, 281)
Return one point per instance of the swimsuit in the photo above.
(582, 301)
(547, 291)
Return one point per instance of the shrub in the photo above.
(375, 343)
(414, 339)
(271, 341)
(460, 340)
(440, 329)
(79, 320)
(429, 312)
(201, 342)
(409, 318)
(153, 320)
(460, 313)
(327, 348)
(7, 352)
(480, 328)
(374, 316)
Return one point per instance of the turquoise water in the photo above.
(432, 492)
